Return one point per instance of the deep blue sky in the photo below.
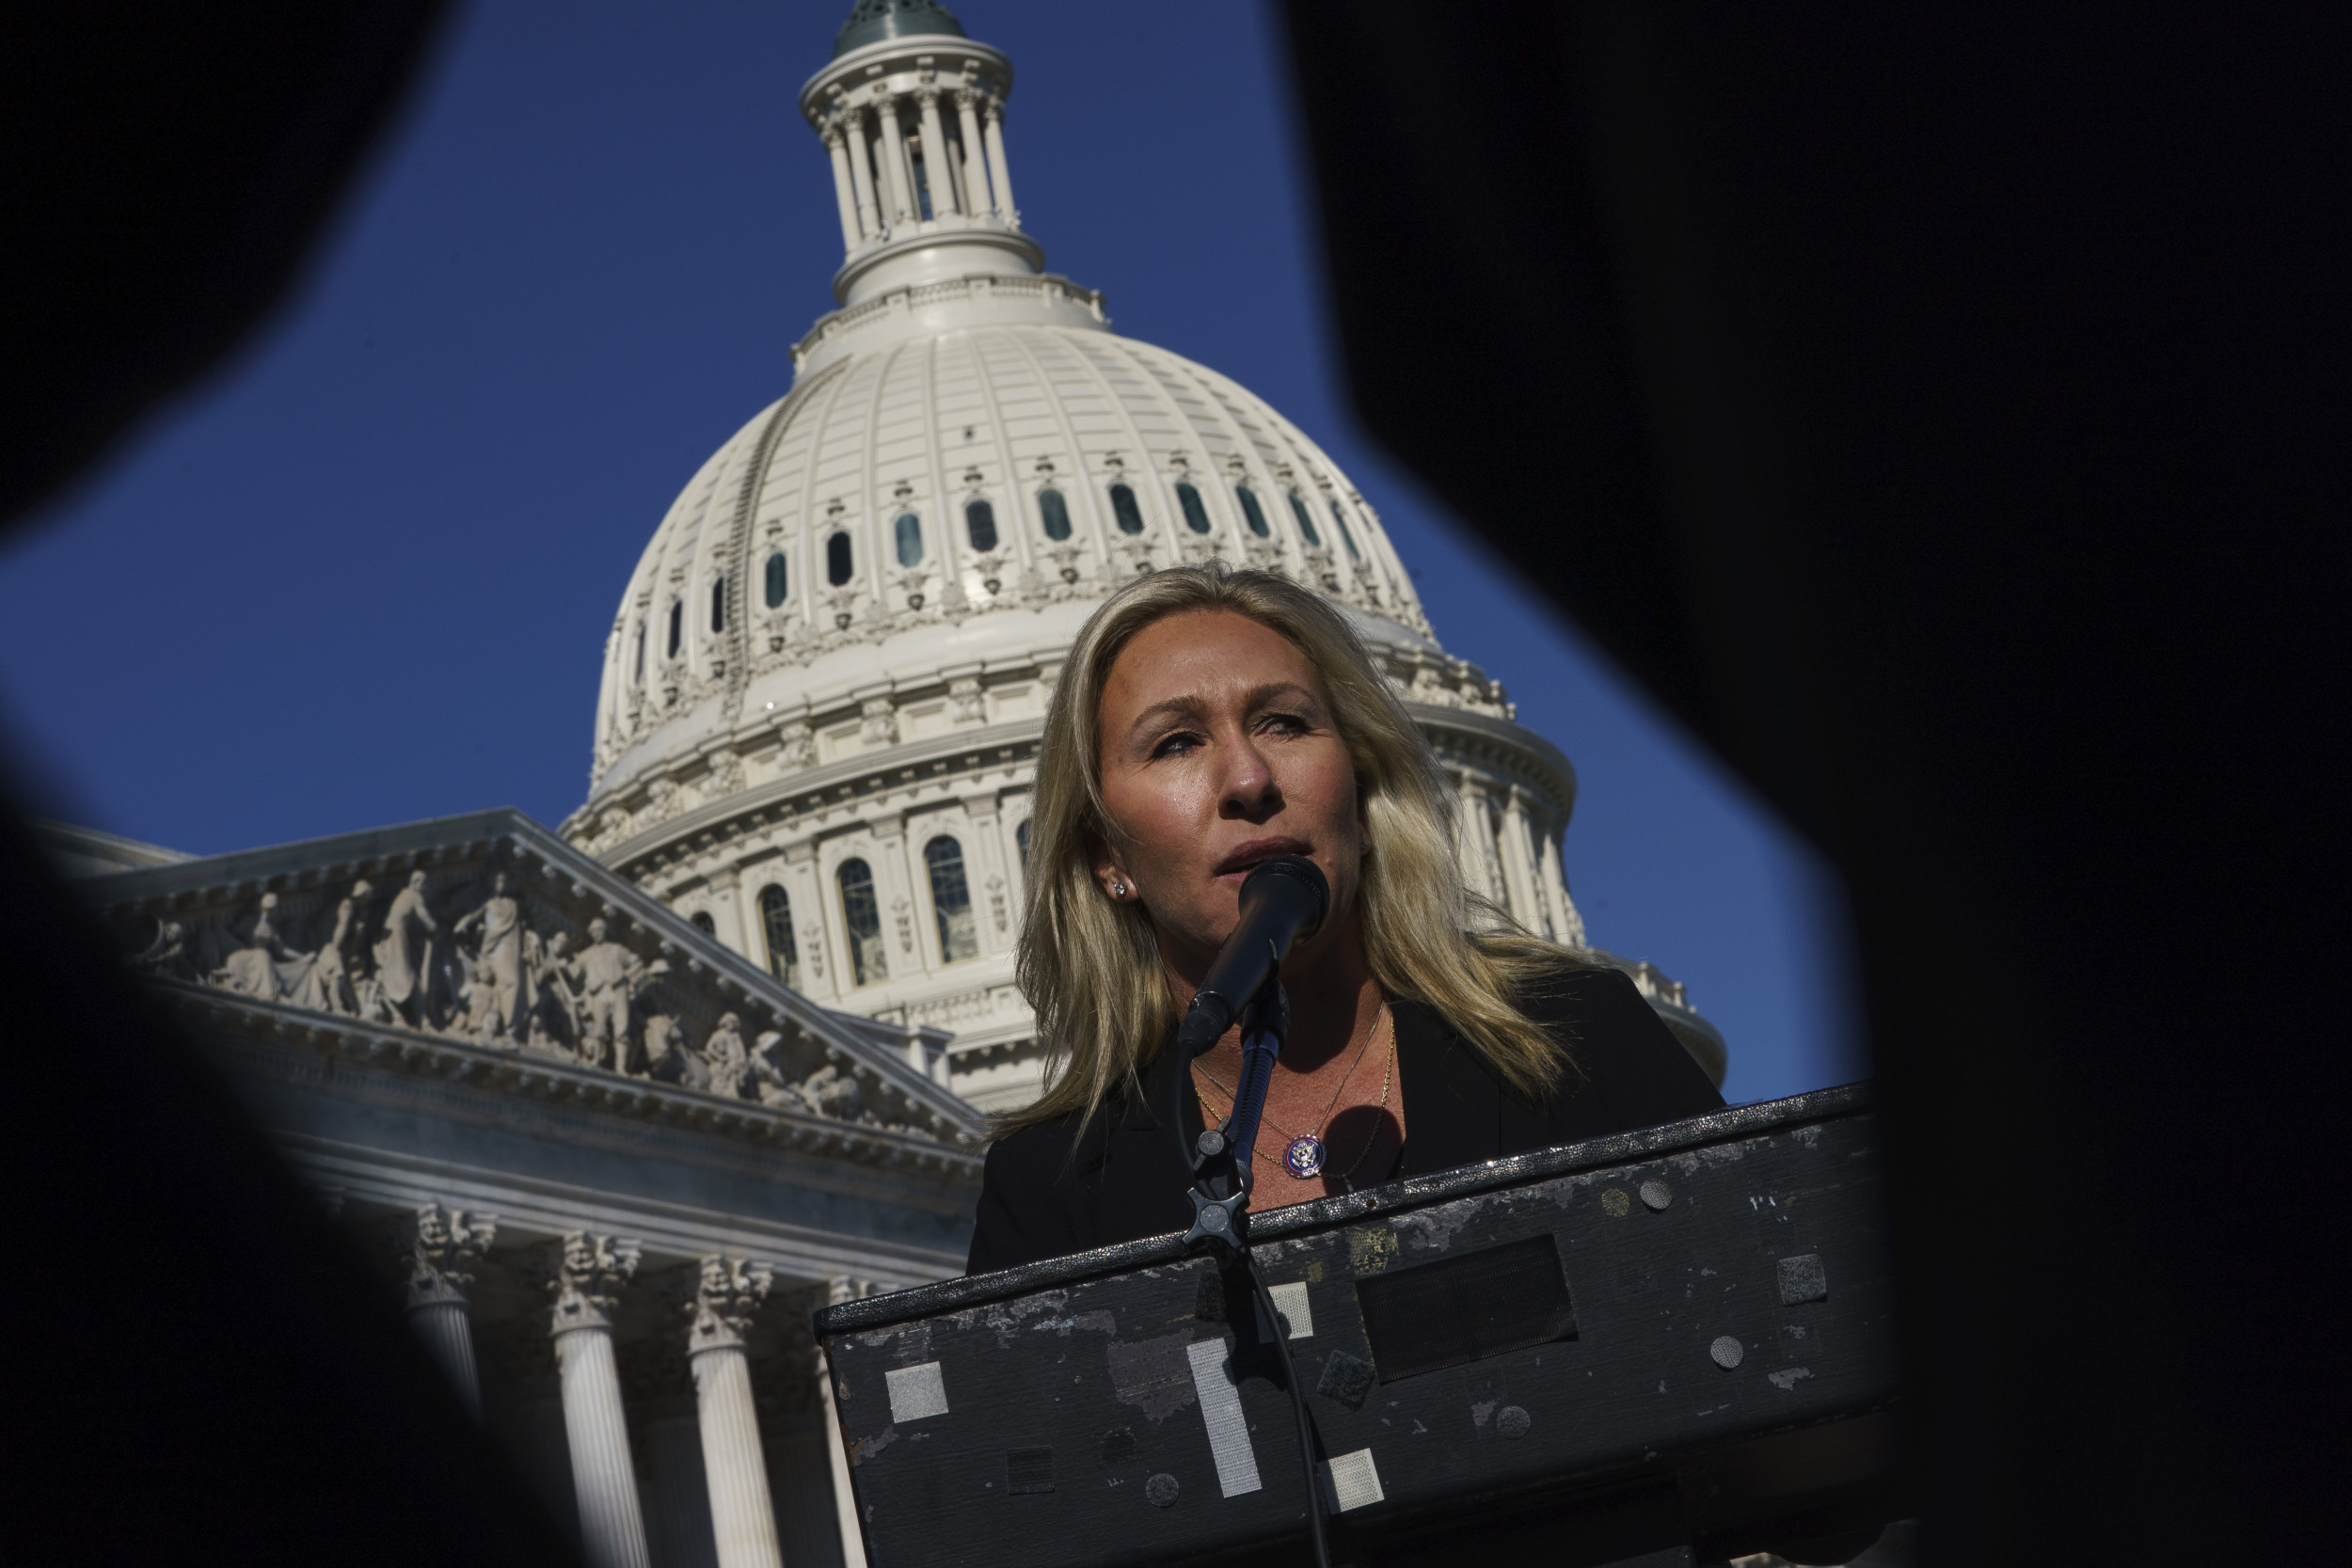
(364, 575)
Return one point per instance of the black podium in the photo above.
(1668, 1346)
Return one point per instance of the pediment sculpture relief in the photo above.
(480, 959)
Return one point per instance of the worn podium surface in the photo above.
(1666, 1346)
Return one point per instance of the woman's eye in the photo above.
(1171, 745)
(1283, 723)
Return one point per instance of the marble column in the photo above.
(861, 151)
(1567, 925)
(975, 174)
(894, 157)
(938, 165)
(998, 174)
(440, 1246)
(590, 1269)
(742, 1516)
(844, 195)
(836, 1450)
(1519, 867)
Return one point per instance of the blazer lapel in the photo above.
(1451, 1106)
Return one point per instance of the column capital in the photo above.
(440, 1246)
(587, 1275)
(969, 99)
(729, 1293)
(835, 130)
(928, 94)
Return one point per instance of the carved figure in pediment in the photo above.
(554, 1006)
(484, 1021)
(167, 954)
(609, 976)
(403, 952)
(338, 991)
(667, 1060)
(267, 968)
(501, 923)
(830, 1092)
(768, 1083)
(729, 1063)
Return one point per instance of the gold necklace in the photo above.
(1303, 1156)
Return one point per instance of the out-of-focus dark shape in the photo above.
(1944, 415)
(197, 1367)
(169, 171)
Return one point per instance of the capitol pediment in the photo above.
(485, 950)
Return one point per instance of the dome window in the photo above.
(1346, 536)
(718, 605)
(908, 532)
(838, 563)
(861, 915)
(776, 579)
(640, 676)
(1021, 837)
(702, 922)
(1195, 514)
(1054, 514)
(677, 626)
(1306, 520)
(1123, 508)
(776, 924)
(951, 900)
(979, 521)
(1253, 511)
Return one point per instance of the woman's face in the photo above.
(1219, 751)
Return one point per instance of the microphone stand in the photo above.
(1223, 1174)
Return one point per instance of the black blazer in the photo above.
(1125, 1177)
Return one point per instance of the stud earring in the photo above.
(1118, 889)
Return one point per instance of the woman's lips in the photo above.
(1257, 851)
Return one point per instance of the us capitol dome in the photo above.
(822, 693)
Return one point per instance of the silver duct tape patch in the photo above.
(1291, 1301)
(916, 1392)
(1352, 1481)
(1220, 1407)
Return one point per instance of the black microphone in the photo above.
(1283, 901)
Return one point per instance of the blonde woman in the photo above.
(1207, 720)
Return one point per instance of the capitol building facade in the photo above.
(617, 1103)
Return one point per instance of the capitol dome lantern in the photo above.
(824, 688)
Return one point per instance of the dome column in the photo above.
(894, 160)
(844, 195)
(938, 165)
(859, 148)
(999, 175)
(975, 170)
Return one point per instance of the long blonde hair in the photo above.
(1091, 968)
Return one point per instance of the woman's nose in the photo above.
(1250, 787)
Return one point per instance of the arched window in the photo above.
(1054, 514)
(718, 605)
(1123, 508)
(1021, 837)
(908, 532)
(979, 521)
(861, 915)
(951, 900)
(1195, 514)
(837, 560)
(1306, 520)
(776, 579)
(776, 924)
(1251, 510)
(702, 922)
(1346, 536)
(641, 653)
(677, 626)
